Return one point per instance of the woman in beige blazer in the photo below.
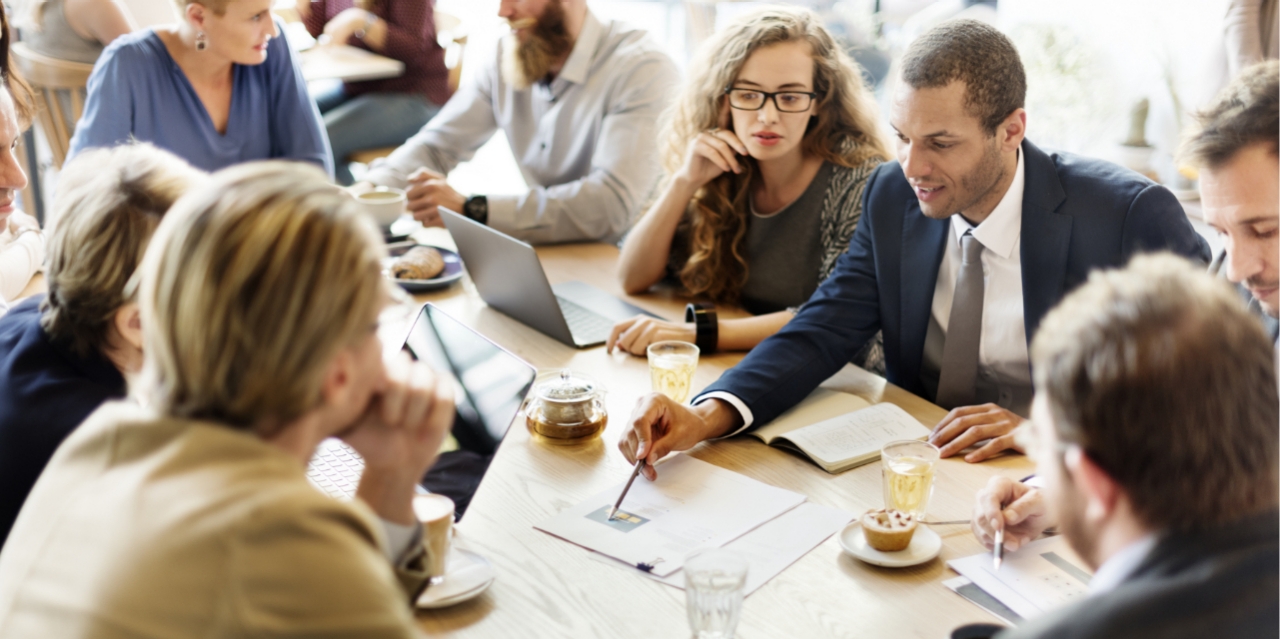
(188, 513)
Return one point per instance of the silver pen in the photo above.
(614, 510)
(998, 551)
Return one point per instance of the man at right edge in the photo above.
(965, 244)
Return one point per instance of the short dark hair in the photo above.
(1165, 380)
(1245, 113)
(976, 54)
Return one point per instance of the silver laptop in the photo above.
(509, 277)
(493, 384)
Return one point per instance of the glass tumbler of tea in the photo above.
(908, 475)
(671, 366)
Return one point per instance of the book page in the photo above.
(858, 434)
(693, 505)
(822, 404)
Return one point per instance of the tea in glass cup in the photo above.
(908, 475)
(671, 366)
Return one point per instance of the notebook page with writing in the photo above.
(854, 439)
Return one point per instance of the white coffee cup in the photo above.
(384, 204)
(436, 514)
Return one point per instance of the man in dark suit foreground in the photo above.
(964, 244)
(1154, 431)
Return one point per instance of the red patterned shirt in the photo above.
(411, 39)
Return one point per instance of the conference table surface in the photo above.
(547, 587)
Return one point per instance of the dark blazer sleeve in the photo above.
(1156, 222)
(840, 317)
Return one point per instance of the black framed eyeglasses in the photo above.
(785, 101)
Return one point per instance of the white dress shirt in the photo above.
(1004, 368)
(20, 258)
(585, 142)
(1120, 565)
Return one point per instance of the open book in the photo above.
(839, 431)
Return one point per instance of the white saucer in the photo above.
(925, 545)
(466, 576)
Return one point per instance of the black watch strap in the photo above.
(707, 325)
(477, 208)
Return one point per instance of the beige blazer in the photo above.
(143, 526)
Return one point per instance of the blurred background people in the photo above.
(73, 30)
(216, 89)
(577, 98)
(767, 150)
(63, 354)
(379, 113)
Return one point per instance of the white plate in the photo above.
(466, 576)
(925, 545)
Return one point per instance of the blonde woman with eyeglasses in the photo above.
(766, 149)
(191, 515)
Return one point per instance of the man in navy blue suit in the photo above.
(964, 245)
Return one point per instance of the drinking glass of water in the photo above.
(713, 584)
(671, 366)
(908, 475)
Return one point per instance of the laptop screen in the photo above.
(492, 383)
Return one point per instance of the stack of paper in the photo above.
(1043, 575)
(694, 505)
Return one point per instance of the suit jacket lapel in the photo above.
(1046, 238)
(923, 244)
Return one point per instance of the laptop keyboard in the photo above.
(586, 326)
(335, 469)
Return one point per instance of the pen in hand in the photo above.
(614, 510)
(998, 551)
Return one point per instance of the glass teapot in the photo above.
(565, 407)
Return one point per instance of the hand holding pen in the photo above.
(1008, 514)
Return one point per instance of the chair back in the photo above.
(59, 86)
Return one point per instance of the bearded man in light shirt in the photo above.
(578, 100)
(964, 245)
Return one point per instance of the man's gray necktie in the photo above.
(959, 372)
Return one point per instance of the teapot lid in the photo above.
(567, 386)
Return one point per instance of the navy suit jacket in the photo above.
(1078, 214)
(45, 392)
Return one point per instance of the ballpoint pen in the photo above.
(614, 510)
(998, 551)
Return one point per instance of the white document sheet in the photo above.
(771, 548)
(1043, 575)
(692, 505)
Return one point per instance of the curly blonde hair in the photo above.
(843, 132)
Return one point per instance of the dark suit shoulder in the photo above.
(1220, 584)
(886, 186)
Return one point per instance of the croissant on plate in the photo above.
(418, 263)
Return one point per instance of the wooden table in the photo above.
(550, 588)
(347, 63)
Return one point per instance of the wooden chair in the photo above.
(59, 87)
(451, 35)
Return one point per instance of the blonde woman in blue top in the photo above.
(218, 88)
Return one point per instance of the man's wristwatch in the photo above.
(477, 208)
(706, 325)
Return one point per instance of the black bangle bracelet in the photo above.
(703, 315)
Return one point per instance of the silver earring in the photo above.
(202, 41)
